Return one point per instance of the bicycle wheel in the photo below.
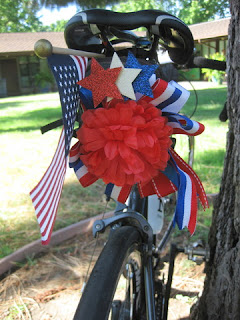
(115, 289)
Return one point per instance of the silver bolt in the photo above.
(97, 226)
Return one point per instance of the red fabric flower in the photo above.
(125, 143)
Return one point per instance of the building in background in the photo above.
(209, 38)
(22, 72)
(20, 68)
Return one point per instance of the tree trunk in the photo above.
(221, 294)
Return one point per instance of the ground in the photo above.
(49, 286)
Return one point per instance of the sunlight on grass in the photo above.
(26, 154)
(210, 145)
(18, 114)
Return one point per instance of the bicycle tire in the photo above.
(97, 301)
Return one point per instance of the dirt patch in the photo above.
(49, 287)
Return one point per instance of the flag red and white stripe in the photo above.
(67, 70)
(46, 195)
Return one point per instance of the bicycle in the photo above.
(132, 253)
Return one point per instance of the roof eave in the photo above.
(16, 53)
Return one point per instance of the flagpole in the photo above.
(43, 48)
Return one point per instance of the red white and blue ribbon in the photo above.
(81, 171)
(183, 125)
(167, 96)
(119, 194)
(86, 178)
(197, 182)
(178, 175)
(186, 207)
(170, 98)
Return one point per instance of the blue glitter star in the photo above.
(141, 83)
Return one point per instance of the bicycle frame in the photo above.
(135, 214)
(127, 216)
(135, 219)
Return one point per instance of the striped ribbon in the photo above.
(119, 194)
(178, 175)
(183, 125)
(189, 188)
(168, 96)
(81, 171)
(86, 178)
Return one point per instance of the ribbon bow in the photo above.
(122, 142)
(177, 175)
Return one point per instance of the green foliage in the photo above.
(56, 27)
(44, 78)
(131, 5)
(19, 16)
(196, 11)
(137, 5)
(16, 312)
(29, 261)
(186, 299)
(83, 4)
(190, 11)
(216, 75)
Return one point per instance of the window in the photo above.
(29, 66)
(212, 46)
(223, 46)
(205, 50)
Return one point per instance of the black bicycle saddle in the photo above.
(88, 30)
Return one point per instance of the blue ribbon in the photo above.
(86, 97)
(174, 117)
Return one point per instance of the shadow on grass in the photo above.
(20, 104)
(21, 101)
(29, 121)
(77, 203)
(16, 104)
(211, 102)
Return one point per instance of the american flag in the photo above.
(67, 70)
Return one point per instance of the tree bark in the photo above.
(221, 294)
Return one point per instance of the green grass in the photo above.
(28, 113)
(26, 154)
